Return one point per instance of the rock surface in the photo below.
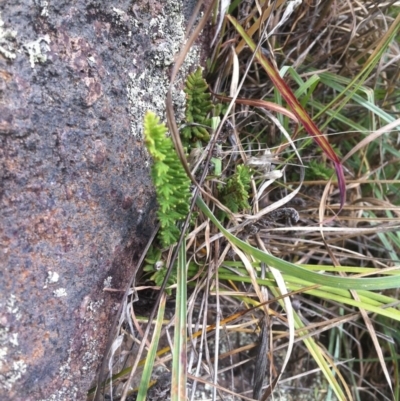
(76, 200)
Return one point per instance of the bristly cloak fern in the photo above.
(198, 105)
(169, 178)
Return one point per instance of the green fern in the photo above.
(235, 194)
(169, 178)
(198, 106)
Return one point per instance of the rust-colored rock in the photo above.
(75, 190)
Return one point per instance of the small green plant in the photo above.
(158, 269)
(235, 194)
(198, 106)
(318, 170)
(169, 178)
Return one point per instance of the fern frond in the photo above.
(198, 105)
(235, 194)
(169, 178)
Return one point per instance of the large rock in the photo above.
(76, 198)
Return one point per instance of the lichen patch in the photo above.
(60, 292)
(37, 50)
(7, 39)
(10, 370)
(147, 91)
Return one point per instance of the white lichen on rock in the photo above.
(37, 50)
(3, 353)
(12, 368)
(52, 277)
(66, 393)
(107, 282)
(65, 369)
(147, 90)
(12, 307)
(9, 378)
(60, 292)
(119, 12)
(44, 8)
(13, 340)
(91, 356)
(7, 37)
(94, 306)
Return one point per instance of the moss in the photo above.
(169, 178)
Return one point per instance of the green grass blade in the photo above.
(179, 359)
(369, 300)
(151, 355)
(379, 283)
(344, 96)
(332, 81)
(319, 358)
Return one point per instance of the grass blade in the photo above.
(379, 283)
(151, 355)
(179, 361)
